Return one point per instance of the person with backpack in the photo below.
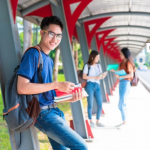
(51, 119)
(124, 85)
(92, 73)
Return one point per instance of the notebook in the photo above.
(121, 73)
(112, 66)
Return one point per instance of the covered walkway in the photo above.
(105, 26)
(136, 135)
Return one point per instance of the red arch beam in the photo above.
(71, 19)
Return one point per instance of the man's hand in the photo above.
(65, 86)
(76, 96)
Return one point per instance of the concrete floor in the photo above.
(136, 134)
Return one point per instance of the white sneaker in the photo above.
(99, 124)
(92, 125)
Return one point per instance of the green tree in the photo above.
(20, 28)
(148, 59)
(136, 65)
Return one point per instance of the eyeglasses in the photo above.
(52, 35)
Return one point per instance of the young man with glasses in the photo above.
(51, 120)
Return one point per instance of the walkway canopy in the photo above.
(125, 22)
(105, 26)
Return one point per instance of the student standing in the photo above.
(91, 73)
(125, 84)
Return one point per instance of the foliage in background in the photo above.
(148, 59)
(76, 46)
(80, 60)
(146, 64)
(52, 54)
(136, 65)
(35, 32)
(21, 40)
(4, 136)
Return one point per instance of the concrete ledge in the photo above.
(147, 86)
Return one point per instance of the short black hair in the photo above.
(51, 20)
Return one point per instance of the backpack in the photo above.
(80, 74)
(21, 111)
(135, 79)
(80, 78)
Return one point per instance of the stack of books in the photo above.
(63, 96)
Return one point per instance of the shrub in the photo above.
(146, 64)
(136, 65)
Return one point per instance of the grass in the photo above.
(4, 135)
(61, 77)
(43, 140)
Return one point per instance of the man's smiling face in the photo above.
(51, 42)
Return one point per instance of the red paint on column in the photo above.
(14, 4)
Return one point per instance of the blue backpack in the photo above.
(21, 111)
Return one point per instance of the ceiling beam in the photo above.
(131, 44)
(87, 8)
(129, 41)
(126, 35)
(78, 24)
(123, 26)
(114, 14)
(54, 2)
(34, 7)
(37, 6)
(28, 18)
(132, 47)
(130, 5)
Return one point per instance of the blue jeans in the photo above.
(124, 89)
(52, 122)
(93, 90)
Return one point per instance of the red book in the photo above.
(63, 96)
(60, 93)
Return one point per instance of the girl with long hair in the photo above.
(124, 85)
(91, 73)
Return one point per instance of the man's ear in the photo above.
(41, 33)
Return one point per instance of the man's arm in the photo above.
(25, 87)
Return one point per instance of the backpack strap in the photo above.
(37, 47)
(88, 68)
(133, 71)
(40, 65)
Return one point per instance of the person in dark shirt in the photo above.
(51, 120)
